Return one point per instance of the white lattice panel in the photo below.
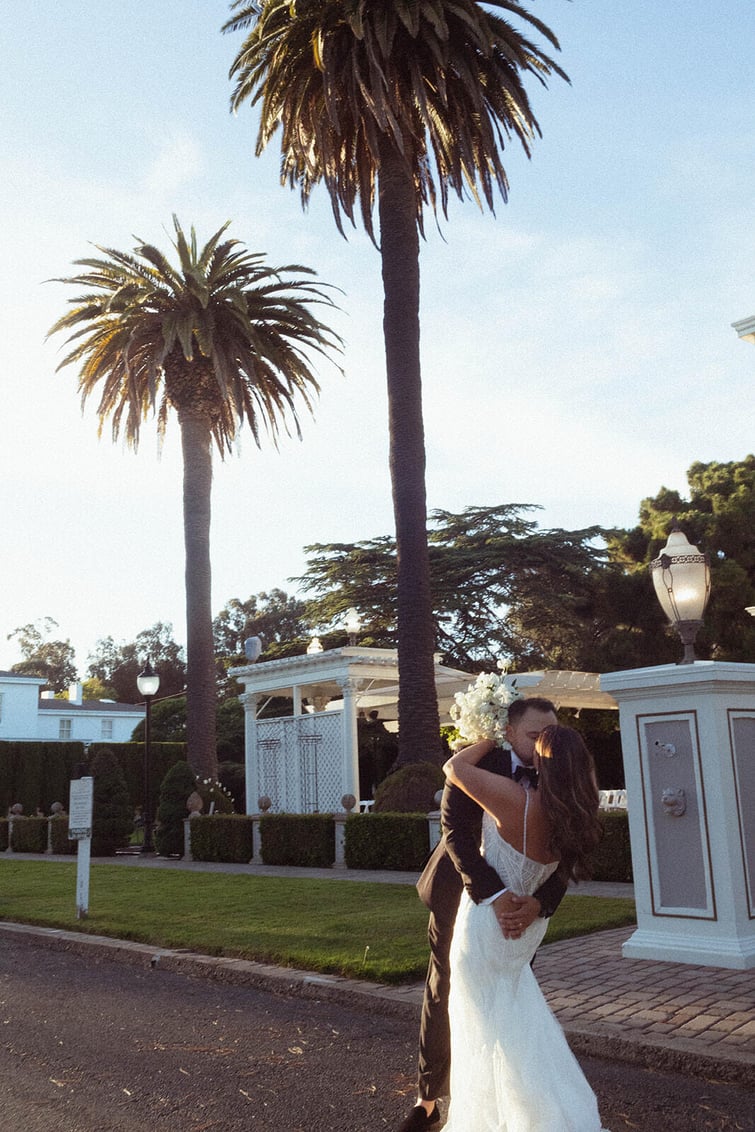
(300, 762)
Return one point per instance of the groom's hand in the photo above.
(515, 913)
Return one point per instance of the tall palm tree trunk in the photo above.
(201, 707)
(419, 725)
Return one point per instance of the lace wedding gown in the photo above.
(511, 1068)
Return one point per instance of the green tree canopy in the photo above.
(718, 517)
(117, 665)
(51, 660)
(277, 618)
(501, 587)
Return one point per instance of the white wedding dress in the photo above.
(511, 1067)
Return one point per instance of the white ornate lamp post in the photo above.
(681, 576)
(148, 683)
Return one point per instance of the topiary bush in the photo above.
(176, 787)
(112, 815)
(410, 790)
(386, 841)
(222, 837)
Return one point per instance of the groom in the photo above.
(456, 863)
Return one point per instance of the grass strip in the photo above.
(362, 930)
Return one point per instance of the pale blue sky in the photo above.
(577, 348)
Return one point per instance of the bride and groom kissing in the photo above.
(518, 824)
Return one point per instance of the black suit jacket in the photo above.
(456, 861)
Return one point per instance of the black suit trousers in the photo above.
(434, 1061)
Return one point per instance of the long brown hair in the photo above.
(569, 795)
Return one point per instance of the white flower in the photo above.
(482, 711)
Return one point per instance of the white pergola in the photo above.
(306, 762)
(745, 328)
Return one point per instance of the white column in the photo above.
(688, 739)
(251, 761)
(350, 764)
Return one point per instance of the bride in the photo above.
(511, 1067)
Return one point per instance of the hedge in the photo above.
(305, 840)
(37, 774)
(222, 837)
(386, 841)
(612, 859)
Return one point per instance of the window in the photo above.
(64, 729)
(107, 729)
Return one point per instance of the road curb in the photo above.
(672, 1055)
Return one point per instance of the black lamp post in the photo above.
(148, 683)
(681, 576)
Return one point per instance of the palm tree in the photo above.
(222, 339)
(400, 101)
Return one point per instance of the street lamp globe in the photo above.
(681, 577)
(148, 682)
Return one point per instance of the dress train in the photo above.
(511, 1067)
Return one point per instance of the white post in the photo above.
(80, 829)
(339, 821)
(350, 763)
(83, 854)
(688, 739)
(249, 700)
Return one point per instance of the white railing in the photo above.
(612, 799)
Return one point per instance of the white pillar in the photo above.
(251, 761)
(688, 739)
(350, 773)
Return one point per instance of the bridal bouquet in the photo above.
(482, 711)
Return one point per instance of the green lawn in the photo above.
(359, 929)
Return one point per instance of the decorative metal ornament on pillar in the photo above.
(681, 576)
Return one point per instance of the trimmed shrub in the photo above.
(306, 840)
(131, 757)
(410, 790)
(222, 837)
(612, 860)
(29, 835)
(3, 834)
(112, 814)
(175, 789)
(386, 841)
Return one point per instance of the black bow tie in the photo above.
(527, 772)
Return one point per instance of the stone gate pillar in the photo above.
(688, 738)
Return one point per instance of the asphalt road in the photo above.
(91, 1045)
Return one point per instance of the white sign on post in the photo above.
(80, 829)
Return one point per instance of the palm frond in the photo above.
(224, 332)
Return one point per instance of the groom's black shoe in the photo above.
(418, 1119)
